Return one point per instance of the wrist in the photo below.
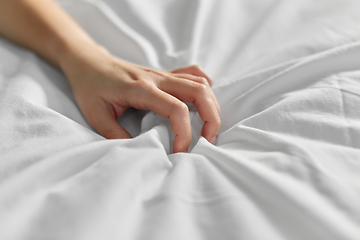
(69, 50)
(77, 54)
(81, 60)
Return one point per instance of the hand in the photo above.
(105, 86)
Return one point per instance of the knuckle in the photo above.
(195, 67)
(202, 80)
(218, 122)
(142, 83)
(201, 88)
(180, 107)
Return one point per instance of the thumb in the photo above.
(104, 122)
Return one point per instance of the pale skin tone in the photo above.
(105, 86)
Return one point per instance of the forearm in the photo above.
(43, 27)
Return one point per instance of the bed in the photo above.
(286, 163)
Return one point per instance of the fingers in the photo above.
(201, 80)
(165, 94)
(170, 107)
(103, 119)
(193, 70)
(201, 96)
(194, 78)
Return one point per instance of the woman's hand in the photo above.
(105, 86)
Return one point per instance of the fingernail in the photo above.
(213, 140)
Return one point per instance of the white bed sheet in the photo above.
(286, 164)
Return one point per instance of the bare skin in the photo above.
(103, 85)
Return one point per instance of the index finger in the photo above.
(200, 95)
(172, 108)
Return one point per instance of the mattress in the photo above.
(286, 162)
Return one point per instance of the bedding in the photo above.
(286, 163)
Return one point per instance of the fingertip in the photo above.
(210, 131)
(210, 138)
(116, 133)
(125, 135)
(181, 145)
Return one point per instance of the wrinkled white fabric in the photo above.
(286, 163)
